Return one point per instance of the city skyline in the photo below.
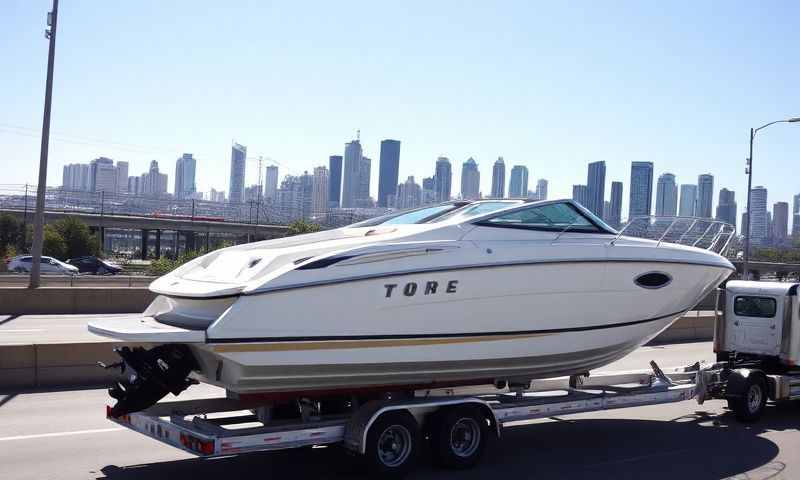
(539, 118)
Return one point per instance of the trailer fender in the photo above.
(736, 383)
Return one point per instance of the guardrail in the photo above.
(118, 281)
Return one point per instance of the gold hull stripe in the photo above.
(353, 344)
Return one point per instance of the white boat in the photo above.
(534, 290)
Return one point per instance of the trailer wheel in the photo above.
(393, 443)
(459, 437)
(749, 406)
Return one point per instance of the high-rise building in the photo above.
(780, 222)
(122, 177)
(666, 195)
(705, 195)
(335, 181)
(238, 168)
(499, 178)
(271, 184)
(185, 168)
(153, 183)
(688, 201)
(363, 199)
(76, 177)
(428, 190)
(408, 194)
(320, 191)
(641, 189)
(541, 189)
(443, 179)
(726, 207)
(596, 185)
(350, 173)
(615, 215)
(388, 170)
(216, 196)
(253, 194)
(518, 183)
(470, 180)
(759, 223)
(580, 193)
(796, 216)
(103, 175)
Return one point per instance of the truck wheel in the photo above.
(459, 437)
(393, 443)
(749, 406)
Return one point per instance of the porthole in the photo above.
(653, 280)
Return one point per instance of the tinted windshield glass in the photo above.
(552, 217)
(474, 210)
(408, 217)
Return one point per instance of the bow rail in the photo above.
(706, 233)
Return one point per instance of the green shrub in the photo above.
(299, 227)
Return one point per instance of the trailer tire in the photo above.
(459, 436)
(393, 444)
(749, 405)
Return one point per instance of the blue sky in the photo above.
(549, 85)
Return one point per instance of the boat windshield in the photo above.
(474, 210)
(407, 217)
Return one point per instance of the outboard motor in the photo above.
(149, 375)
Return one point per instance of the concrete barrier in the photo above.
(73, 300)
(695, 326)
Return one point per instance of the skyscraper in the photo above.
(153, 183)
(408, 194)
(76, 177)
(320, 191)
(388, 170)
(428, 190)
(780, 222)
(499, 178)
(350, 173)
(641, 194)
(470, 180)
(759, 224)
(541, 189)
(335, 181)
(726, 207)
(666, 195)
(615, 215)
(796, 216)
(185, 168)
(271, 184)
(596, 185)
(443, 179)
(705, 195)
(688, 201)
(103, 175)
(122, 177)
(580, 193)
(238, 163)
(518, 184)
(363, 199)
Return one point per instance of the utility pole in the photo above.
(41, 188)
(748, 227)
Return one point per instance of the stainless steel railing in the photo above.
(706, 233)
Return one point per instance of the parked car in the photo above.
(94, 265)
(22, 264)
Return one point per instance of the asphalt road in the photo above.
(29, 329)
(63, 435)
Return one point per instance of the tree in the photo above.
(53, 244)
(11, 232)
(299, 227)
(78, 239)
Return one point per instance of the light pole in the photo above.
(749, 171)
(38, 219)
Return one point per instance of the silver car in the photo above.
(22, 264)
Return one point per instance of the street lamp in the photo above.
(749, 171)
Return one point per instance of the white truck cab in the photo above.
(760, 320)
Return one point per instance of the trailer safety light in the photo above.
(122, 418)
(205, 447)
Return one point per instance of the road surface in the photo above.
(64, 435)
